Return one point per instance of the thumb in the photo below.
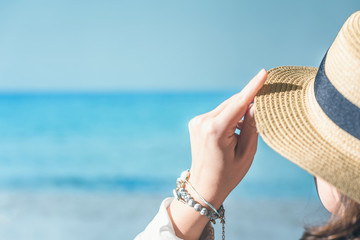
(248, 137)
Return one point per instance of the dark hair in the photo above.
(344, 224)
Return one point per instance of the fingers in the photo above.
(239, 124)
(248, 137)
(238, 104)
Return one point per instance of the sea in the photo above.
(97, 166)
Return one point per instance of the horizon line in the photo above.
(110, 91)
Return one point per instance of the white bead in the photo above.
(184, 175)
(204, 211)
(175, 194)
(197, 207)
(191, 202)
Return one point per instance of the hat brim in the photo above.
(285, 120)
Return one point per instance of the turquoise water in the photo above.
(120, 142)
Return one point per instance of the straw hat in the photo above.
(311, 116)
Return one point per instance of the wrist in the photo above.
(211, 192)
(200, 212)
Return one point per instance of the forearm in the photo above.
(187, 223)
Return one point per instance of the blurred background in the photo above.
(95, 97)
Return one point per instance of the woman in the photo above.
(310, 116)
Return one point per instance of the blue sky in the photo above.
(159, 45)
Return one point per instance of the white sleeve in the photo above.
(160, 228)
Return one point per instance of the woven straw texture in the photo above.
(343, 51)
(290, 120)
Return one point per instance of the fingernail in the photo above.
(261, 72)
(251, 111)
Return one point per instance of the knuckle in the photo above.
(203, 124)
(241, 100)
(211, 127)
(195, 122)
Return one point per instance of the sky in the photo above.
(155, 45)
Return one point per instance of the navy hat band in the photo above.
(340, 110)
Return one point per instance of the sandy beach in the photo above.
(91, 216)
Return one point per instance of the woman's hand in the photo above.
(220, 158)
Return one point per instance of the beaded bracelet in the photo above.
(182, 195)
